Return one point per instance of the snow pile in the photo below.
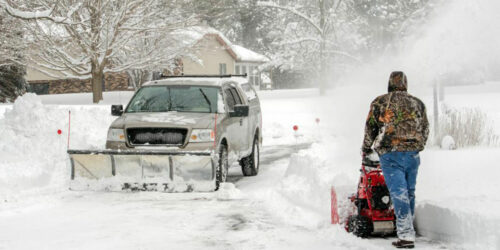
(228, 191)
(30, 148)
(33, 155)
(457, 199)
(448, 143)
(302, 195)
(115, 97)
(301, 187)
(3, 109)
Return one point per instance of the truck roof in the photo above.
(198, 80)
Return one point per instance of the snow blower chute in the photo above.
(142, 170)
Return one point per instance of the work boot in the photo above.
(403, 244)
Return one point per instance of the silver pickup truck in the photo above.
(195, 127)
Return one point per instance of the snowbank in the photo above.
(30, 147)
(33, 156)
(302, 196)
(457, 198)
(228, 191)
(115, 97)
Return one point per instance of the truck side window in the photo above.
(229, 99)
(236, 96)
(249, 91)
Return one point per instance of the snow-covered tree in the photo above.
(312, 34)
(327, 38)
(385, 22)
(85, 39)
(12, 49)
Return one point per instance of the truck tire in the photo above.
(360, 226)
(222, 167)
(250, 164)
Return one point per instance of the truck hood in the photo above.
(165, 119)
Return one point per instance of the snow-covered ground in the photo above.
(285, 207)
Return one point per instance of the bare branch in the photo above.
(294, 12)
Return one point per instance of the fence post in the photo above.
(436, 113)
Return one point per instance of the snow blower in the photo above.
(371, 210)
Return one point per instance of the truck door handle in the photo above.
(241, 122)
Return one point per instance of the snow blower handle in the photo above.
(371, 160)
(363, 156)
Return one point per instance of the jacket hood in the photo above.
(398, 81)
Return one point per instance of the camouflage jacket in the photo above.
(397, 121)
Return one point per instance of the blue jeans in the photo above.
(400, 171)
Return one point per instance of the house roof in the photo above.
(239, 53)
(246, 55)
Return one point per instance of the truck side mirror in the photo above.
(116, 110)
(240, 110)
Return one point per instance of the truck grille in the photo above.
(156, 136)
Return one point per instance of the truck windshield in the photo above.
(175, 98)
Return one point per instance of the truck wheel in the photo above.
(250, 164)
(222, 167)
(360, 226)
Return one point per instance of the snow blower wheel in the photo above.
(360, 226)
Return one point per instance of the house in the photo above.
(43, 84)
(217, 55)
(211, 54)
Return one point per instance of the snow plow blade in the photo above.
(140, 170)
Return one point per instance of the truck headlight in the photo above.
(116, 135)
(202, 135)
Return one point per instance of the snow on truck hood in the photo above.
(174, 119)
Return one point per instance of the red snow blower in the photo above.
(371, 211)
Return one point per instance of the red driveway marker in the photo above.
(334, 207)
(69, 125)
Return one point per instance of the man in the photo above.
(397, 128)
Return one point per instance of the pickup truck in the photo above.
(217, 114)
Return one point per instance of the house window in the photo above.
(39, 88)
(237, 70)
(222, 69)
(243, 69)
(254, 76)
